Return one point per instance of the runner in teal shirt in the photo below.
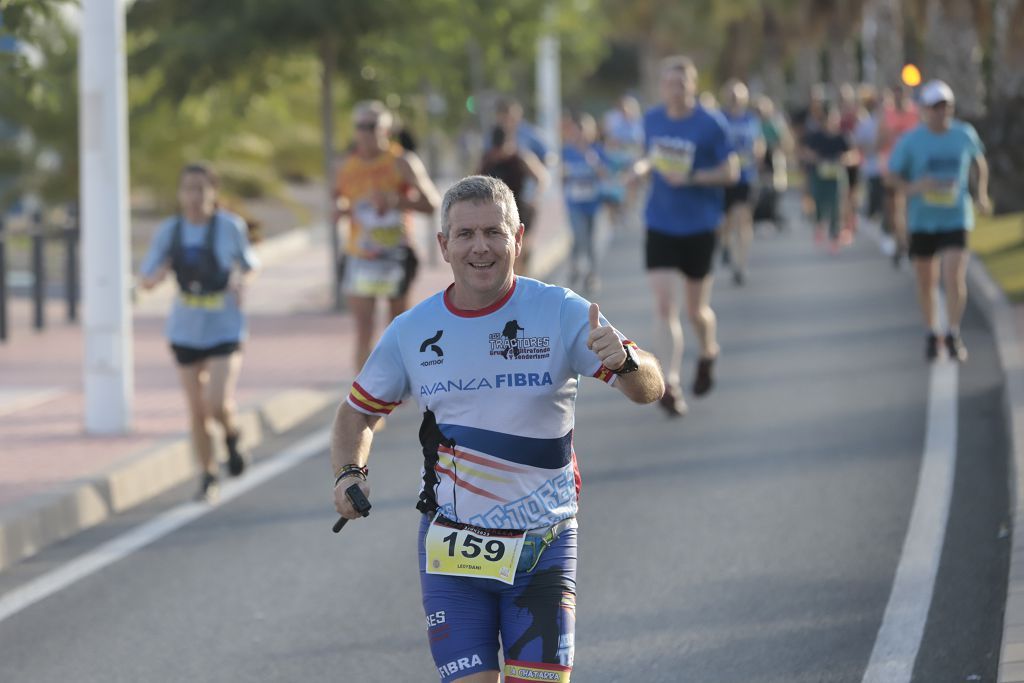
(931, 165)
(943, 159)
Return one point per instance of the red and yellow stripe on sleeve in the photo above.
(363, 401)
(603, 373)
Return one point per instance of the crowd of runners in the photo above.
(494, 360)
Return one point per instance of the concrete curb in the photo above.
(1001, 317)
(39, 522)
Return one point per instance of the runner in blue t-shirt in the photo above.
(690, 159)
(748, 142)
(208, 252)
(932, 164)
(583, 169)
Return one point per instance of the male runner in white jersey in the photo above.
(493, 362)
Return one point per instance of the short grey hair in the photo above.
(480, 189)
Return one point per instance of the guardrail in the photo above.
(39, 234)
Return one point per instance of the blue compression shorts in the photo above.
(535, 617)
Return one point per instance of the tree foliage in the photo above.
(239, 83)
(189, 57)
(38, 104)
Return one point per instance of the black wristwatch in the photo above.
(630, 365)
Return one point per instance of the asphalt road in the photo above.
(753, 541)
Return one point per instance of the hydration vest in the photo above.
(196, 268)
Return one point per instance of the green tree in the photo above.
(182, 49)
(953, 50)
(1001, 130)
(38, 105)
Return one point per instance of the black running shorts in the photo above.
(737, 194)
(187, 355)
(692, 254)
(927, 244)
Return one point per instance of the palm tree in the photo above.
(1008, 56)
(842, 21)
(883, 42)
(953, 51)
(773, 51)
(1002, 132)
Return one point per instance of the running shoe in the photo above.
(955, 348)
(236, 459)
(845, 237)
(738, 278)
(672, 402)
(704, 379)
(897, 258)
(209, 490)
(931, 347)
(726, 256)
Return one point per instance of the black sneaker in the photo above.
(236, 460)
(738, 278)
(955, 348)
(704, 380)
(672, 402)
(931, 347)
(726, 256)
(209, 489)
(897, 258)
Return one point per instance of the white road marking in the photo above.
(127, 543)
(899, 637)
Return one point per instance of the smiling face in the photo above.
(481, 250)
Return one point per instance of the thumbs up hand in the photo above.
(604, 342)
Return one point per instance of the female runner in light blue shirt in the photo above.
(208, 252)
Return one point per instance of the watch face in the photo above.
(630, 365)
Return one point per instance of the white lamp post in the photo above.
(103, 192)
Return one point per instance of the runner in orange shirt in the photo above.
(899, 115)
(377, 186)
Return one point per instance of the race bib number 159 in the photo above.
(459, 550)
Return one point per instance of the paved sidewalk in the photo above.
(55, 480)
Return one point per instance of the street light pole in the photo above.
(549, 86)
(103, 192)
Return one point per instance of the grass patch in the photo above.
(999, 241)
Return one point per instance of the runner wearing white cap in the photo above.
(932, 165)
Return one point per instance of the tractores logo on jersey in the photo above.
(431, 343)
(508, 343)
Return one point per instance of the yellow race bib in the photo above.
(210, 302)
(828, 170)
(944, 196)
(373, 277)
(667, 160)
(455, 549)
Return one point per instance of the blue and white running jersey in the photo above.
(501, 383)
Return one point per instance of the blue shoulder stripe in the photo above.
(549, 454)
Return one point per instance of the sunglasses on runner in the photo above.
(366, 125)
